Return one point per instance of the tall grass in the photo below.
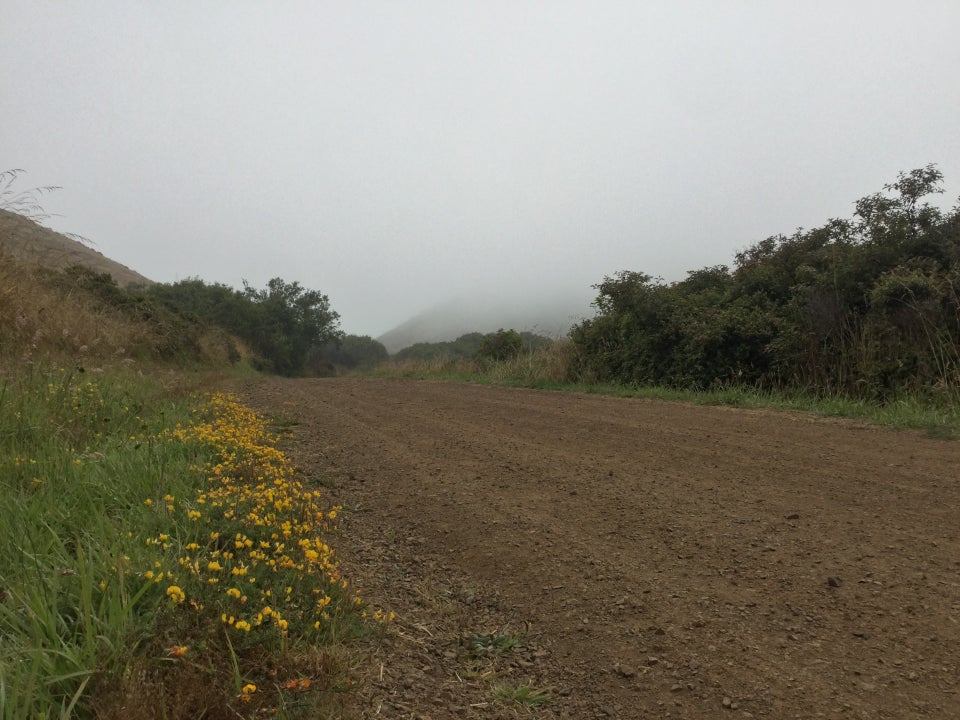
(77, 457)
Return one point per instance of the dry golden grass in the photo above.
(34, 245)
(554, 364)
(43, 319)
(41, 322)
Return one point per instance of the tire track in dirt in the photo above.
(672, 560)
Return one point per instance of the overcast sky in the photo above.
(396, 154)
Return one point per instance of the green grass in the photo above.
(937, 419)
(521, 694)
(906, 414)
(77, 457)
(103, 612)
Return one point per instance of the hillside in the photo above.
(33, 244)
(550, 315)
(58, 305)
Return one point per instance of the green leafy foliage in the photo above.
(287, 321)
(464, 347)
(283, 323)
(501, 345)
(469, 346)
(349, 352)
(867, 307)
(171, 335)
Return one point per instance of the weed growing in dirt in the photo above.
(521, 694)
(484, 644)
(283, 424)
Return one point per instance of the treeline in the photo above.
(285, 324)
(292, 329)
(500, 345)
(349, 352)
(866, 307)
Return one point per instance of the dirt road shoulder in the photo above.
(560, 555)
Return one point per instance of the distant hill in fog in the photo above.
(551, 315)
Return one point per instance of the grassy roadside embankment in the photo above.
(159, 555)
(552, 368)
(161, 558)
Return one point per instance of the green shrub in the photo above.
(867, 307)
(501, 345)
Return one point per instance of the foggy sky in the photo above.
(397, 154)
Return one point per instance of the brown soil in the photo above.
(651, 559)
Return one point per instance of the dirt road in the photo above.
(636, 559)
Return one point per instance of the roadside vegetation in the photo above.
(292, 330)
(858, 318)
(160, 557)
(284, 323)
(865, 308)
(550, 370)
(500, 345)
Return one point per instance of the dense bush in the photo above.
(868, 307)
(283, 323)
(464, 347)
(348, 352)
(467, 347)
(169, 335)
(501, 345)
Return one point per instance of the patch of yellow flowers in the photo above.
(253, 554)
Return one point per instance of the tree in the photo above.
(289, 321)
(868, 306)
(501, 345)
(282, 323)
(350, 351)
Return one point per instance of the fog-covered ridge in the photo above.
(550, 314)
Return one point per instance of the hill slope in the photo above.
(550, 315)
(33, 244)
